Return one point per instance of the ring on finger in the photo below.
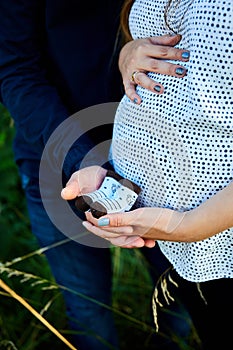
(133, 76)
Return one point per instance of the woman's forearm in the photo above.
(211, 217)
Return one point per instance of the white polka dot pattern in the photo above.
(178, 146)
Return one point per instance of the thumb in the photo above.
(117, 219)
(70, 191)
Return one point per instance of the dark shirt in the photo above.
(56, 57)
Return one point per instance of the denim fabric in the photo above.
(85, 270)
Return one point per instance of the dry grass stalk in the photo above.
(163, 284)
(8, 345)
(5, 287)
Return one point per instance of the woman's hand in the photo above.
(126, 230)
(143, 226)
(139, 227)
(138, 57)
(84, 181)
(150, 224)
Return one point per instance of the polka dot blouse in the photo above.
(178, 146)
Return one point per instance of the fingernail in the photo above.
(103, 222)
(185, 55)
(135, 100)
(180, 71)
(157, 88)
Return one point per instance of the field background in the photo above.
(27, 273)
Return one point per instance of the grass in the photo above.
(25, 270)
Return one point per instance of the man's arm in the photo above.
(32, 101)
(25, 89)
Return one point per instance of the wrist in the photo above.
(180, 226)
(189, 226)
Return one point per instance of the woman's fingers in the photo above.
(150, 55)
(118, 230)
(162, 52)
(167, 39)
(130, 91)
(149, 243)
(121, 241)
(122, 230)
(142, 79)
(166, 68)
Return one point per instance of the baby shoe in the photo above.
(115, 194)
(122, 199)
(106, 190)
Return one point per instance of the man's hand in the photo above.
(84, 181)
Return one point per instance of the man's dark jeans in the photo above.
(85, 270)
